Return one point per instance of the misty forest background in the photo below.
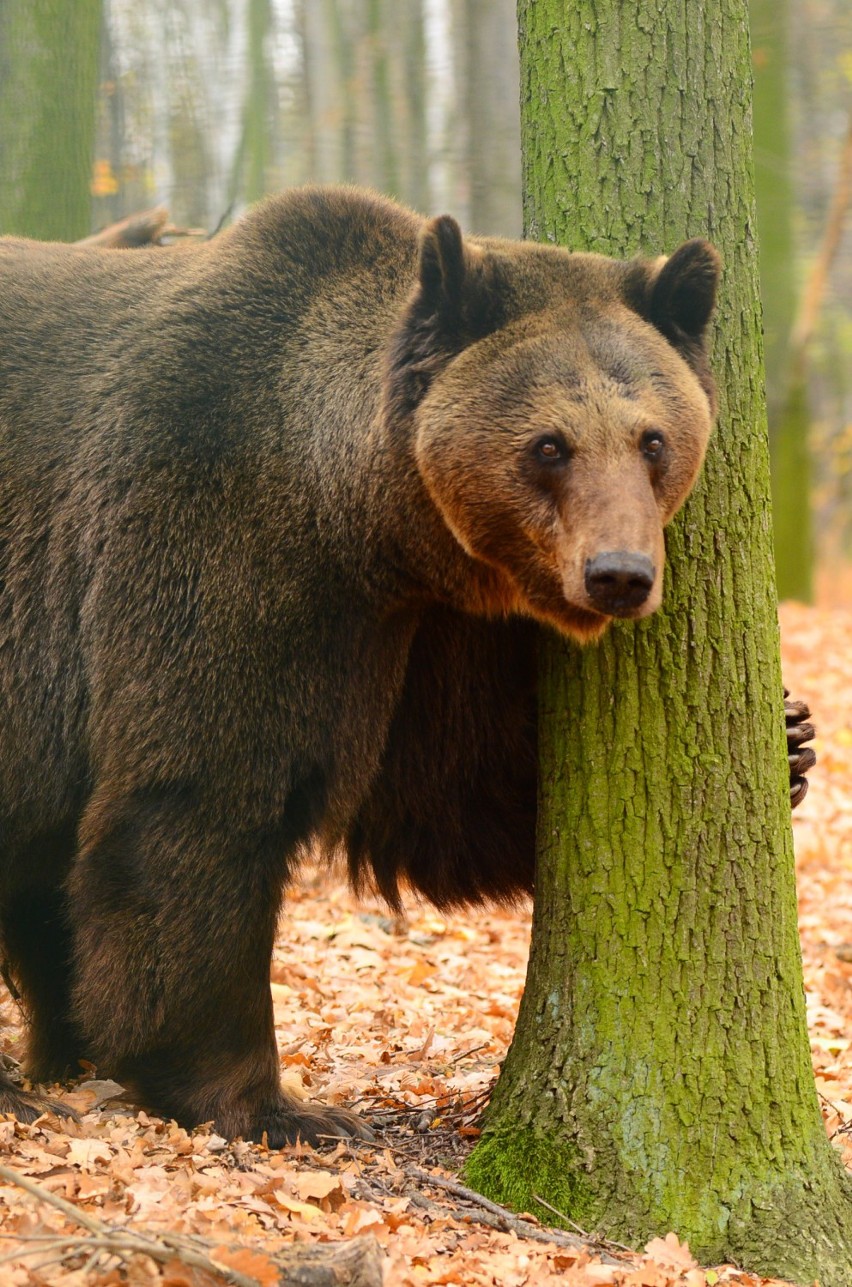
(206, 105)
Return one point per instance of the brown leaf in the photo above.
(254, 1264)
(672, 1252)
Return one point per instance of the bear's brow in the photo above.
(622, 374)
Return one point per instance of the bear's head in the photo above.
(558, 408)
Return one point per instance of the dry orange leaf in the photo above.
(421, 971)
(254, 1264)
(306, 1210)
(672, 1252)
(319, 1186)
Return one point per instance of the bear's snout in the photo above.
(618, 582)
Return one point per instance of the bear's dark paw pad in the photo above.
(311, 1124)
(26, 1106)
(801, 758)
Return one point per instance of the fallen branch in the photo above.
(144, 229)
(812, 296)
(353, 1264)
(509, 1221)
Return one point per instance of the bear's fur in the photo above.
(278, 516)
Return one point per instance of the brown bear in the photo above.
(279, 516)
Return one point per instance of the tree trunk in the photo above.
(788, 414)
(257, 111)
(329, 89)
(487, 88)
(415, 133)
(660, 1074)
(773, 187)
(384, 134)
(791, 489)
(49, 53)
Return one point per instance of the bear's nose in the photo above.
(618, 581)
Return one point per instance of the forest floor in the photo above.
(407, 1019)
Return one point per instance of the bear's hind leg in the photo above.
(174, 914)
(27, 1105)
(36, 953)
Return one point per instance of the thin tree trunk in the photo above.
(773, 187)
(385, 132)
(660, 1075)
(813, 295)
(791, 457)
(415, 133)
(257, 111)
(492, 116)
(49, 53)
(788, 415)
(329, 89)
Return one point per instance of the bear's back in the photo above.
(313, 277)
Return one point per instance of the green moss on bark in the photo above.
(522, 1165)
(772, 1226)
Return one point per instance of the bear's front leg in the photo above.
(174, 913)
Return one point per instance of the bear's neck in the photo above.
(411, 552)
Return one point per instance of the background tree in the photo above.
(488, 142)
(47, 115)
(820, 56)
(786, 391)
(259, 102)
(660, 1074)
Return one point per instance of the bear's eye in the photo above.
(653, 444)
(550, 450)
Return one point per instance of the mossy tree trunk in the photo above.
(49, 53)
(660, 1074)
(786, 392)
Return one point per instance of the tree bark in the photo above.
(660, 1075)
(49, 53)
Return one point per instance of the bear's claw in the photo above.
(28, 1106)
(801, 758)
(312, 1124)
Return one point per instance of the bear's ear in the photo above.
(678, 297)
(683, 294)
(441, 265)
(457, 299)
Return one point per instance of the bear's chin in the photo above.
(579, 624)
(586, 626)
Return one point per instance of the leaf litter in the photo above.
(406, 1018)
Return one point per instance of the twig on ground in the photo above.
(597, 1239)
(512, 1222)
(357, 1263)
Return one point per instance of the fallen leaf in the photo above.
(253, 1264)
